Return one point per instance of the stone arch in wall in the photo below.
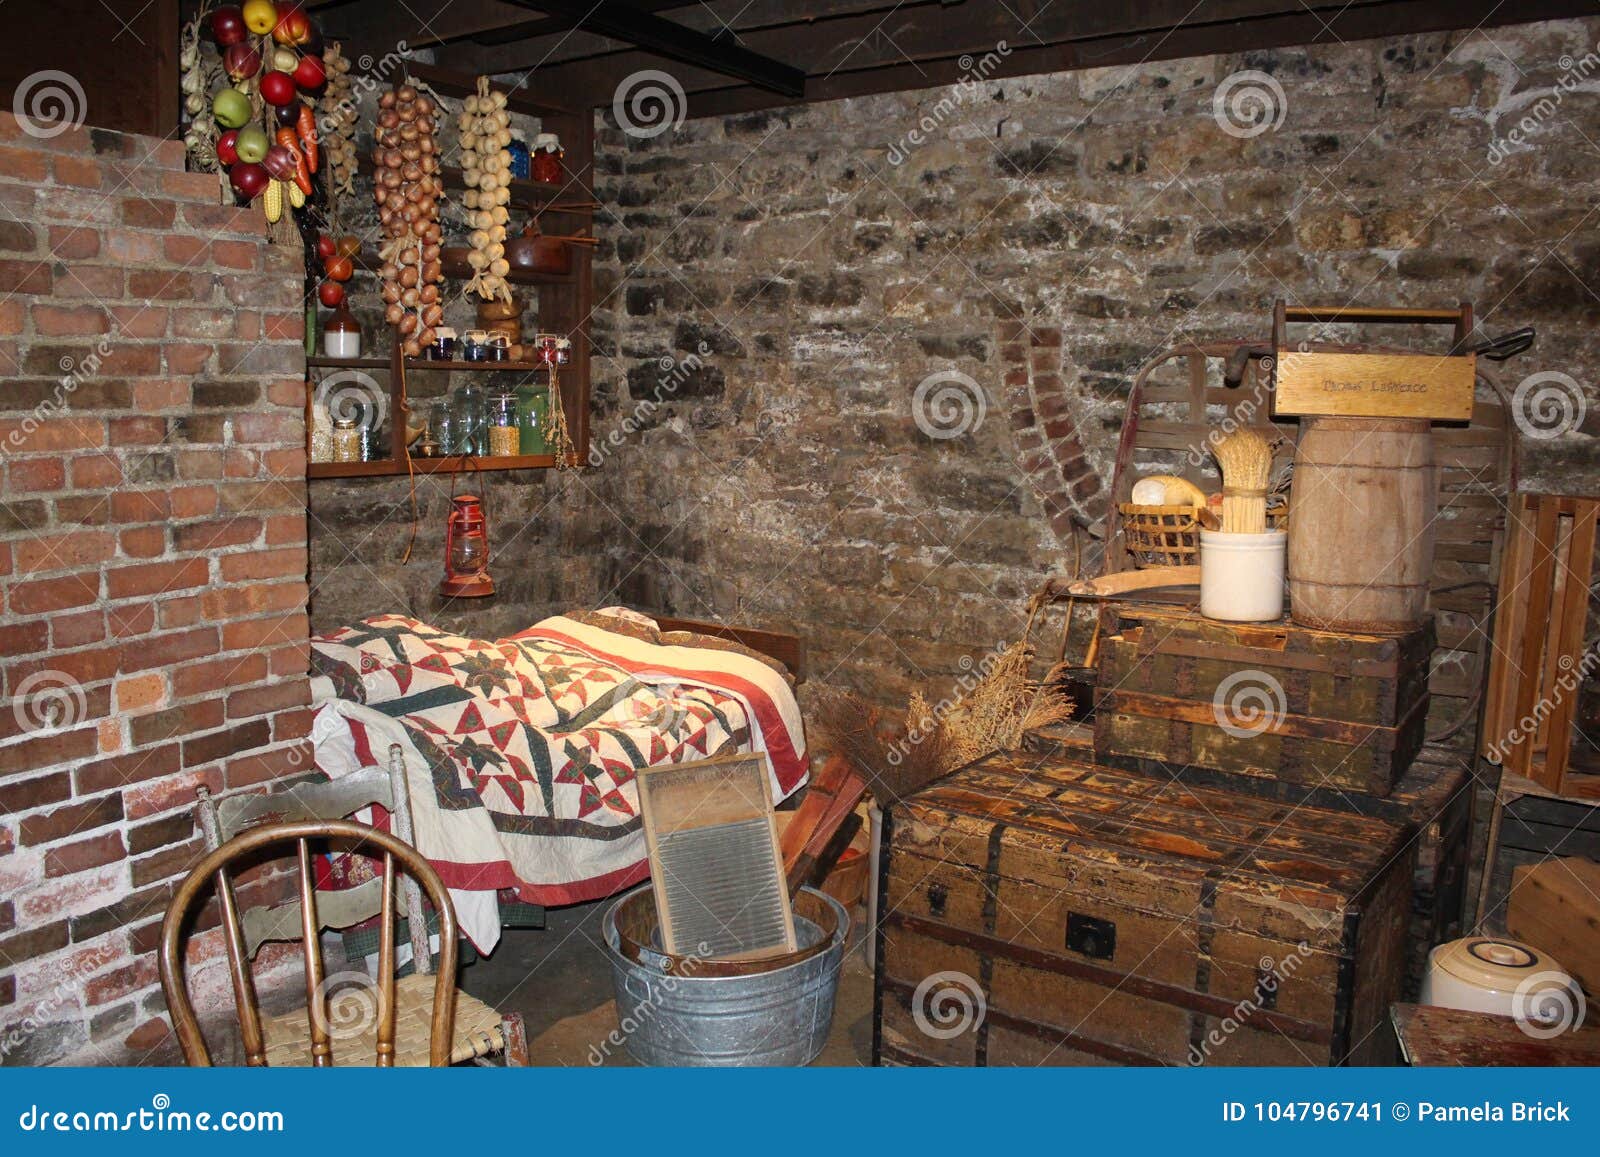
(1044, 426)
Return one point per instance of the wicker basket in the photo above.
(1170, 535)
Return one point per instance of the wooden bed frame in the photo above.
(788, 649)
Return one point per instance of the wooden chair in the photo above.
(413, 1020)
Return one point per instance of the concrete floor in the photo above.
(558, 977)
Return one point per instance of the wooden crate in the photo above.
(1088, 915)
(1319, 708)
(1542, 633)
(1368, 382)
(1434, 798)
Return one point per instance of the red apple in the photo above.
(248, 180)
(227, 147)
(330, 293)
(325, 246)
(227, 25)
(241, 60)
(279, 161)
(277, 87)
(310, 74)
(293, 27)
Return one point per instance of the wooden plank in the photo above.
(1205, 715)
(1376, 385)
(1509, 616)
(1570, 627)
(1125, 582)
(1447, 1036)
(1540, 579)
(316, 801)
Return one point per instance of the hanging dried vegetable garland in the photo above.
(408, 187)
(486, 171)
(337, 125)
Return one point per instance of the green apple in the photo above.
(252, 144)
(231, 108)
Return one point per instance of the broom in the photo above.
(1246, 461)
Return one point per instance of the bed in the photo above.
(521, 752)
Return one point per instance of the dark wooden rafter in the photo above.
(720, 54)
(552, 25)
(840, 48)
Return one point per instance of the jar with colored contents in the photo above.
(533, 406)
(505, 435)
(545, 167)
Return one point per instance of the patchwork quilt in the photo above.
(521, 752)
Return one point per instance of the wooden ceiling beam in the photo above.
(919, 48)
(718, 54)
(419, 23)
(553, 25)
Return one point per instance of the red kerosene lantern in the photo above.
(466, 551)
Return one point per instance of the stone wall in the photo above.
(152, 567)
(774, 288)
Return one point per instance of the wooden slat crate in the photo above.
(1435, 798)
(1556, 905)
(1542, 634)
(1044, 911)
(1182, 397)
(1318, 708)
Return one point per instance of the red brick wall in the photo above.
(152, 564)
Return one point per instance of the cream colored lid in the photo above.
(1491, 962)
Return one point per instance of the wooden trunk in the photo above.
(1434, 798)
(1276, 700)
(1364, 500)
(1040, 910)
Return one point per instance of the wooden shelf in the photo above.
(326, 363)
(563, 306)
(322, 363)
(476, 367)
(389, 467)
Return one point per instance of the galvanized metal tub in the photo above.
(777, 1016)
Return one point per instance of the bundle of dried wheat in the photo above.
(993, 714)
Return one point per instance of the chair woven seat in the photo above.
(478, 1031)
